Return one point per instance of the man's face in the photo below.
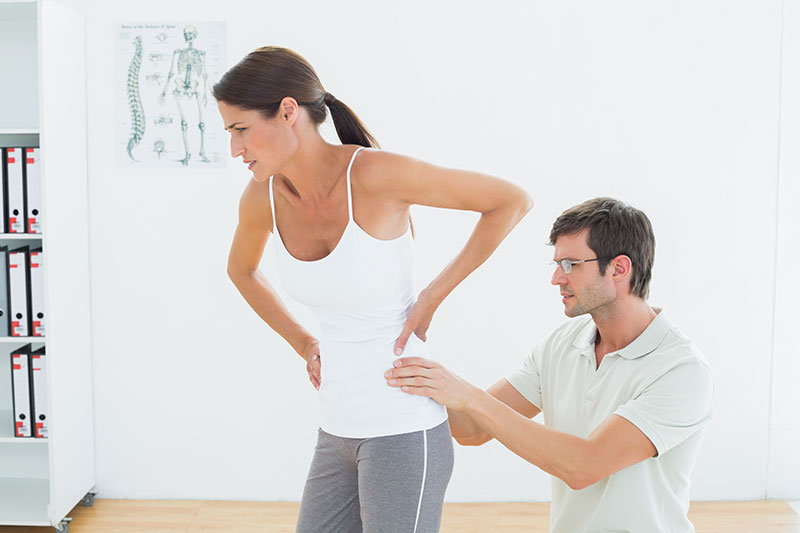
(583, 290)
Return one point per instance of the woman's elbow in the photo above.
(236, 274)
(524, 203)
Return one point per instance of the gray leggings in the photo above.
(392, 484)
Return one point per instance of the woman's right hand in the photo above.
(310, 352)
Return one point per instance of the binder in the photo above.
(14, 187)
(37, 292)
(5, 311)
(33, 183)
(39, 393)
(3, 189)
(20, 384)
(19, 293)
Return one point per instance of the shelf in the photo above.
(19, 139)
(7, 431)
(20, 236)
(24, 501)
(22, 340)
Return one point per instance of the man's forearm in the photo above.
(560, 454)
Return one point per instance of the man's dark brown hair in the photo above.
(615, 228)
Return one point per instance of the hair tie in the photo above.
(329, 98)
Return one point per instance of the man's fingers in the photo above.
(414, 381)
(408, 371)
(414, 361)
(419, 391)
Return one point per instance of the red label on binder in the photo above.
(39, 426)
(30, 161)
(19, 429)
(31, 222)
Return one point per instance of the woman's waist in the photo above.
(350, 332)
(365, 360)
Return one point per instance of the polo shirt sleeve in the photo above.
(674, 407)
(526, 379)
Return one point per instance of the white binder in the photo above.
(15, 189)
(33, 182)
(3, 189)
(5, 310)
(37, 293)
(18, 292)
(20, 383)
(39, 385)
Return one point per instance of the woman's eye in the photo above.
(240, 130)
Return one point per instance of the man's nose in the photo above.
(559, 278)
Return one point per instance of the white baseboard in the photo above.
(794, 504)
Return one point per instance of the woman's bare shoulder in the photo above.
(254, 205)
(378, 171)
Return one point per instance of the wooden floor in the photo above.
(140, 516)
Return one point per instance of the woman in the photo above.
(340, 214)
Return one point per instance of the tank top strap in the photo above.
(349, 189)
(272, 206)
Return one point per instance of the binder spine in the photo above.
(20, 295)
(33, 196)
(20, 383)
(37, 293)
(4, 190)
(16, 191)
(39, 394)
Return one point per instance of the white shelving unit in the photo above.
(43, 91)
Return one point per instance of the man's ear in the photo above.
(621, 268)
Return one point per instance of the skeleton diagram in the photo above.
(191, 65)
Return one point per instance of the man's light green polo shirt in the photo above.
(661, 383)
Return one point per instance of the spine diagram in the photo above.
(135, 100)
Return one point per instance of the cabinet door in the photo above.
(65, 236)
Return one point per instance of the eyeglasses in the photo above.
(567, 264)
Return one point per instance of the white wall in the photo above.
(784, 457)
(673, 107)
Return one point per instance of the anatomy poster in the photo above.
(166, 115)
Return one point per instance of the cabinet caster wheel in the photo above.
(88, 500)
(63, 526)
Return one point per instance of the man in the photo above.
(626, 396)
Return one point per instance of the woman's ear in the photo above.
(289, 110)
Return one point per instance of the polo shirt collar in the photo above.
(645, 343)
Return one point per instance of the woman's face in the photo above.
(264, 144)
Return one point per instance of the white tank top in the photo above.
(361, 293)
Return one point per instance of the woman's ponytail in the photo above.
(348, 126)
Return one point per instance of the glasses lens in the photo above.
(566, 266)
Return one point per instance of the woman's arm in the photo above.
(409, 181)
(252, 232)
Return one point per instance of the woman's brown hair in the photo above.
(269, 74)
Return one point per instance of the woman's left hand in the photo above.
(417, 322)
